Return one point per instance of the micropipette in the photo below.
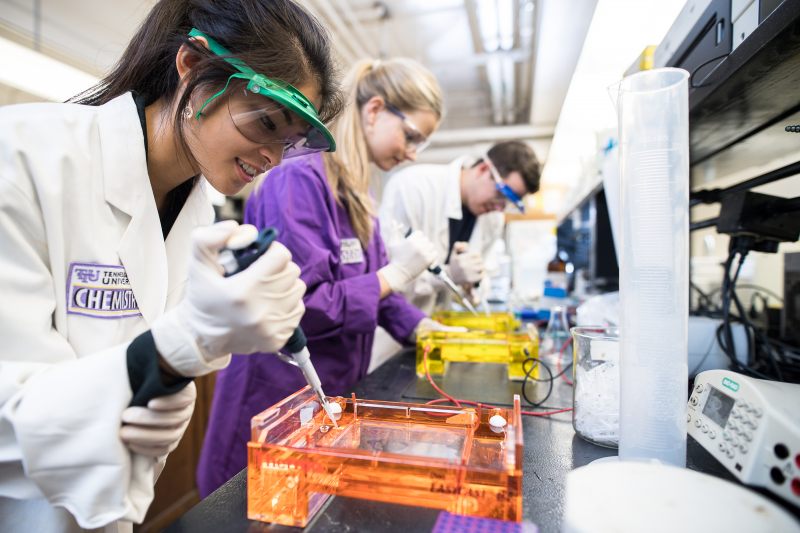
(440, 273)
(241, 250)
(481, 294)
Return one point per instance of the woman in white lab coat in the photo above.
(108, 307)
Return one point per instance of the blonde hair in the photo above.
(406, 85)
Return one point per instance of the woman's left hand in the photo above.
(157, 429)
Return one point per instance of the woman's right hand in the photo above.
(410, 258)
(255, 310)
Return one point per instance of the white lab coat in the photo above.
(425, 197)
(74, 190)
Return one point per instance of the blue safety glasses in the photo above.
(504, 189)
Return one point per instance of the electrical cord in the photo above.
(735, 361)
(549, 380)
(537, 362)
(703, 296)
(751, 345)
(701, 65)
(766, 355)
(748, 326)
(728, 346)
(448, 398)
(764, 304)
(750, 286)
(728, 293)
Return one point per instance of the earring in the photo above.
(187, 113)
(369, 129)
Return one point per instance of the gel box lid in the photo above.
(435, 456)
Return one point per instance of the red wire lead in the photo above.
(448, 398)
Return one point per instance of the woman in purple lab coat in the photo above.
(323, 209)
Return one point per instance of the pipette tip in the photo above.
(327, 406)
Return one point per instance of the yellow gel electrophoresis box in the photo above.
(500, 322)
(477, 347)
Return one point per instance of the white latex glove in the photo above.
(410, 258)
(255, 310)
(427, 324)
(157, 429)
(465, 268)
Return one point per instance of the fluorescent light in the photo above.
(488, 23)
(505, 16)
(40, 75)
(508, 90)
(494, 71)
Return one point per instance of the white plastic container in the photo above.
(653, 109)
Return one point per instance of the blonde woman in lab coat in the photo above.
(111, 299)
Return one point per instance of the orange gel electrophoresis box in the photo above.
(431, 456)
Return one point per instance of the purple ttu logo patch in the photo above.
(100, 291)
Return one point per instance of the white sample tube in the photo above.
(653, 110)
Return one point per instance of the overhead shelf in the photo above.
(755, 87)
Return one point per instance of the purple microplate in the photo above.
(455, 523)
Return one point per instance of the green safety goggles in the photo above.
(270, 111)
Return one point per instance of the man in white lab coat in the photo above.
(460, 208)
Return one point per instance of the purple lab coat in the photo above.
(343, 308)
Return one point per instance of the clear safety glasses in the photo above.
(270, 111)
(416, 141)
(506, 191)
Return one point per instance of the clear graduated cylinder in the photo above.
(653, 111)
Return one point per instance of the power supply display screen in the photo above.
(718, 407)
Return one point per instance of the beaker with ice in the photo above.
(595, 387)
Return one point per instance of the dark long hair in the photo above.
(276, 38)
